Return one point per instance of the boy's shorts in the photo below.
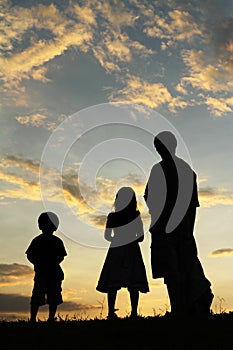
(46, 291)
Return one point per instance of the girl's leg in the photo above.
(111, 301)
(134, 297)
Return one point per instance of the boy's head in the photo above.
(48, 222)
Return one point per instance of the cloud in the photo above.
(221, 252)
(85, 14)
(14, 22)
(74, 307)
(152, 95)
(20, 178)
(102, 57)
(118, 48)
(210, 196)
(205, 73)
(116, 13)
(21, 65)
(220, 38)
(178, 25)
(33, 119)
(20, 182)
(75, 26)
(13, 274)
(27, 165)
(28, 61)
(99, 220)
(115, 51)
(38, 119)
(20, 303)
(119, 36)
(219, 106)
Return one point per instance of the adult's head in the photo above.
(48, 222)
(165, 143)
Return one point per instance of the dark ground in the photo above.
(159, 332)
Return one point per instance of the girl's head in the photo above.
(125, 199)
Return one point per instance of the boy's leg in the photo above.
(111, 301)
(52, 312)
(134, 297)
(37, 298)
(54, 297)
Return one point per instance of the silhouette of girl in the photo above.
(123, 266)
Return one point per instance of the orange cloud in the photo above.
(13, 274)
(177, 26)
(221, 252)
(12, 162)
(19, 303)
(152, 95)
(219, 106)
(34, 119)
(119, 49)
(37, 120)
(21, 65)
(116, 13)
(209, 196)
(204, 73)
(28, 63)
(20, 178)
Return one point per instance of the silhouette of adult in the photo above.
(172, 198)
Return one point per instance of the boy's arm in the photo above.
(31, 258)
(30, 254)
(62, 253)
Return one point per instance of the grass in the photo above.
(154, 331)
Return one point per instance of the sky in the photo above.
(84, 87)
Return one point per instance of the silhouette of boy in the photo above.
(46, 252)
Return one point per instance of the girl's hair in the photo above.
(125, 199)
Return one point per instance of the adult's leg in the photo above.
(175, 295)
(33, 312)
(134, 297)
(111, 302)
